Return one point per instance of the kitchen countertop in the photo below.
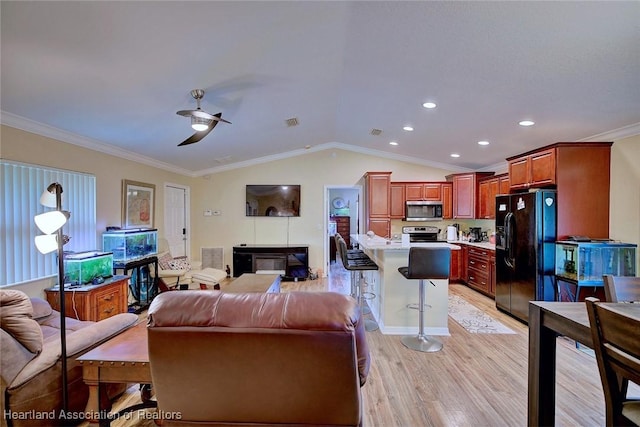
(381, 243)
(483, 245)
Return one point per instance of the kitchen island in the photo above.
(393, 292)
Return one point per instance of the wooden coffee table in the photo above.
(125, 357)
(122, 359)
(250, 282)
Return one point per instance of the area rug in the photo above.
(473, 319)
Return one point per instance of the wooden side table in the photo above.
(93, 302)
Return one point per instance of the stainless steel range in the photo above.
(422, 234)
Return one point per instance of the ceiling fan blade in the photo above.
(203, 115)
(198, 135)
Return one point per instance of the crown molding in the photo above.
(616, 134)
(42, 129)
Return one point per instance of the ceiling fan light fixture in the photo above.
(199, 124)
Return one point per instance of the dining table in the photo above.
(547, 321)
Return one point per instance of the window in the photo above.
(21, 185)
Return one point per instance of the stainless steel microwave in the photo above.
(423, 210)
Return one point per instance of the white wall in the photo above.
(225, 191)
(624, 218)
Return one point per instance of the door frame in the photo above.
(187, 213)
(326, 210)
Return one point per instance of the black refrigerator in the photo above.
(525, 250)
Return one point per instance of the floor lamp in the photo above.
(51, 224)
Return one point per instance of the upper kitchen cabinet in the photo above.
(465, 193)
(537, 169)
(398, 198)
(580, 173)
(378, 205)
(424, 191)
(447, 200)
(504, 184)
(488, 188)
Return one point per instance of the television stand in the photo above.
(292, 259)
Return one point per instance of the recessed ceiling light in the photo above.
(483, 142)
(456, 155)
(429, 105)
(408, 128)
(393, 143)
(527, 123)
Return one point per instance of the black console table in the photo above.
(143, 286)
(292, 259)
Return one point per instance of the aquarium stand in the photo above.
(143, 286)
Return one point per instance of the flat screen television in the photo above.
(273, 200)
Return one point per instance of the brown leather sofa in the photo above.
(228, 359)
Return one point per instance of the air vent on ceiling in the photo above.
(224, 159)
(292, 122)
(376, 132)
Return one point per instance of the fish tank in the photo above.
(130, 244)
(586, 262)
(86, 267)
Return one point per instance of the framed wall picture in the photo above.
(138, 204)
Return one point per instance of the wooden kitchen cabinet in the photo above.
(504, 184)
(378, 205)
(533, 170)
(413, 191)
(93, 302)
(398, 198)
(422, 190)
(454, 269)
(465, 193)
(580, 172)
(488, 189)
(479, 273)
(447, 200)
(464, 263)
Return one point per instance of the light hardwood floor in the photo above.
(476, 380)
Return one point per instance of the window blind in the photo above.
(21, 186)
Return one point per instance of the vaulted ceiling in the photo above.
(111, 76)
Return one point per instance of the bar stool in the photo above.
(425, 263)
(357, 265)
(353, 255)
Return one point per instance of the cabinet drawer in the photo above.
(479, 264)
(107, 304)
(478, 280)
(479, 252)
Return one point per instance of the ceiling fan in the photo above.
(201, 121)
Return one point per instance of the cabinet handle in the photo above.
(471, 277)
(108, 297)
(471, 262)
(108, 310)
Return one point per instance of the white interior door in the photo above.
(176, 216)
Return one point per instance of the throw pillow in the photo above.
(180, 264)
(41, 308)
(15, 317)
(164, 260)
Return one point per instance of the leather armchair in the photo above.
(297, 358)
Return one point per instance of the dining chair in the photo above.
(621, 288)
(617, 348)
